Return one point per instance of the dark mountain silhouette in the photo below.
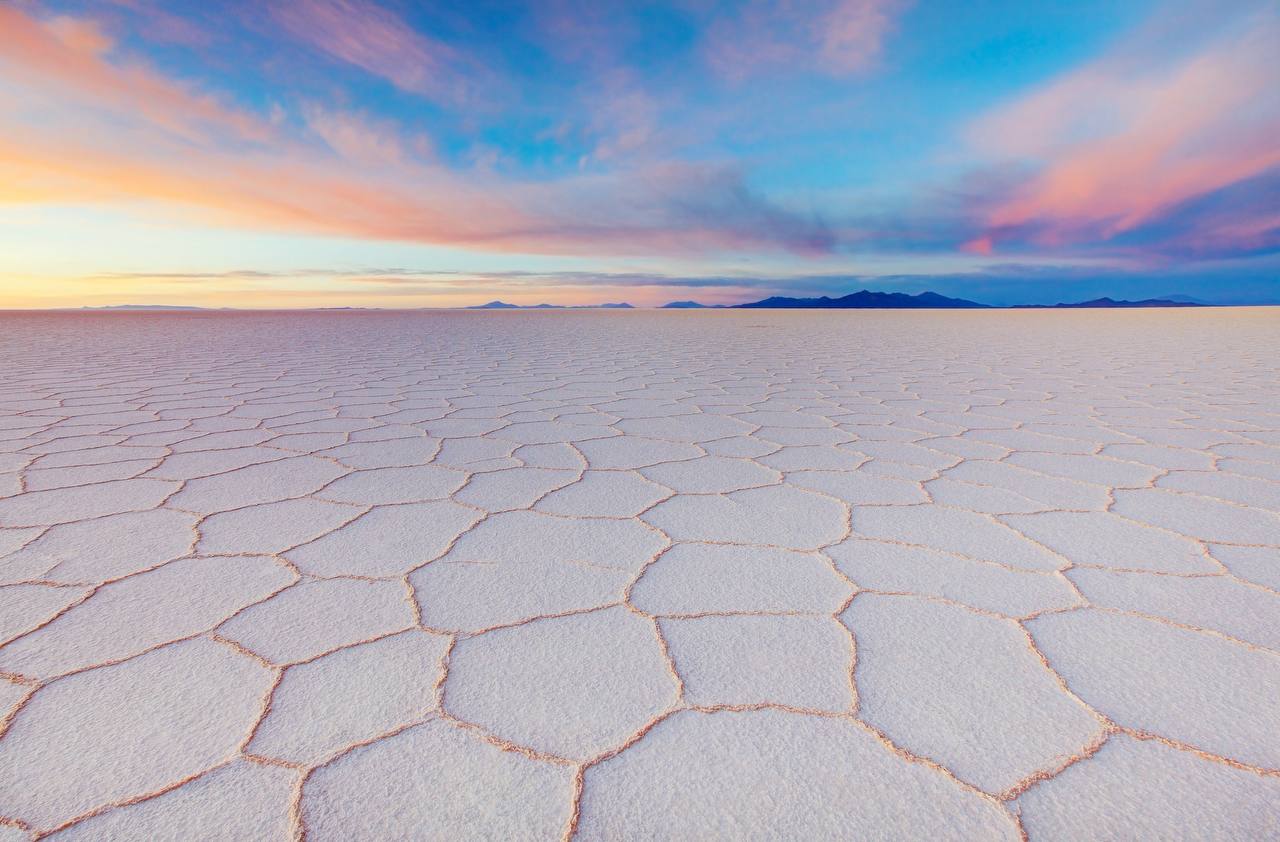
(493, 305)
(1104, 303)
(868, 300)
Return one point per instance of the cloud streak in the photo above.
(359, 182)
(378, 41)
(834, 37)
(1124, 141)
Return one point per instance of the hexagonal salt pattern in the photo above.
(728, 574)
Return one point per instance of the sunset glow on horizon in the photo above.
(326, 153)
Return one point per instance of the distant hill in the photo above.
(684, 305)
(868, 300)
(502, 305)
(1105, 303)
(493, 305)
(143, 307)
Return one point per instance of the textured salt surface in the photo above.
(640, 575)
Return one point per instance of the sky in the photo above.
(325, 153)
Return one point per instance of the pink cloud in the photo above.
(1124, 140)
(68, 56)
(836, 37)
(100, 129)
(373, 38)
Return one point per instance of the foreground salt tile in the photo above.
(477, 595)
(859, 487)
(238, 801)
(604, 494)
(437, 781)
(314, 617)
(1101, 538)
(40, 479)
(1253, 452)
(267, 483)
(906, 453)
(1188, 686)
(1247, 491)
(812, 458)
(1199, 517)
(954, 530)
(13, 540)
(1051, 492)
(203, 463)
(979, 498)
(519, 565)
(549, 432)
(375, 486)
(627, 452)
(739, 447)
(387, 541)
(1142, 789)
(897, 568)
(513, 488)
(801, 662)
(919, 681)
(103, 549)
(699, 427)
(97, 456)
(350, 696)
(712, 475)
(132, 615)
(558, 455)
(770, 774)
(395, 453)
(1101, 470)
(273, 527)
(23, 607)
(1255, 564)
(699, 578)
(1218, 603)
(1161, 457)
(776, 515)
(555, 685)
(125, 731)
(1250, 468)
(64, 505)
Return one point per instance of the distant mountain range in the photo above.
(144, 307)
(868, 300)
(861, 300)
(1180, 301)
(502, 305)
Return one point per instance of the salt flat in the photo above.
(614, 575)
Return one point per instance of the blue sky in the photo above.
(346, 152)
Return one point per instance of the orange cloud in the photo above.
(66, 58)
(1126, 139)
(102, 130)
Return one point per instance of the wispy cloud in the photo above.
(1124, 141)
(836, 37)
(67, 59)
(360, 182)
(375, 39)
